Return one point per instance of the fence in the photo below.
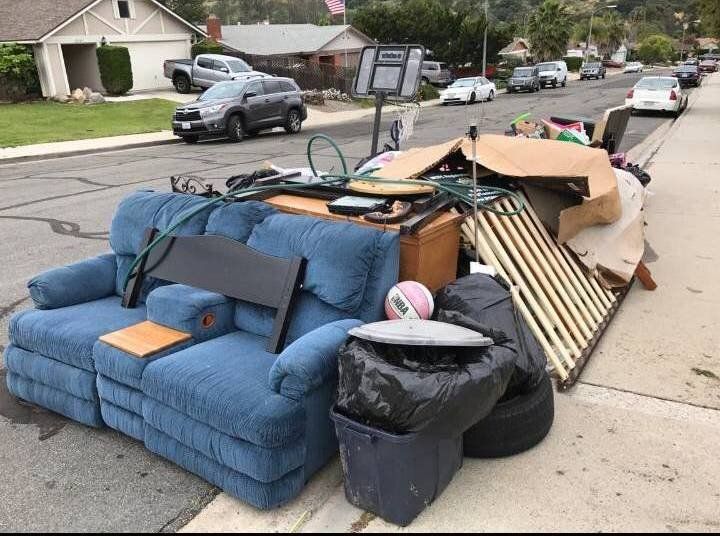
(307, 74)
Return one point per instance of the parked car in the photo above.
(436, 73)
(593, 69)
(710, 56)
(658, 93)
(634, 67)
(553, 73)
(468, 90)
(207, 70)
(708, 66)
(524, 79)
(692, 61)
(241, 107)
(688, 75)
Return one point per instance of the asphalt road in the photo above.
(60, 476)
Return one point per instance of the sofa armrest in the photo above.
(82, 282)
(205, 315)
(310, 361)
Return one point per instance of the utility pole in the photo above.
(485, 39)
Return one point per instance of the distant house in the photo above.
(65, 33)
(518, 49)
(708, 44)
(320, 44)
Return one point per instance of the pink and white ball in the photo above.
(409, 300)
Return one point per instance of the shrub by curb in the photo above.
(115, 69)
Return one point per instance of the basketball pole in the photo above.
(473, 134)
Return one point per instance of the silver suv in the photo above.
(436, 73)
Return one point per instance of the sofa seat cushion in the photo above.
(68, 334)
(259, 463)
(224, 383)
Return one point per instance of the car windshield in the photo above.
(591, 66)
(546, 67)
(229, 90)
(521, 73)
(686, 69)
(442, 66)
(238, 66)
(465, 82)
(656, 83)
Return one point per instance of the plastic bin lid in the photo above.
(420, 333)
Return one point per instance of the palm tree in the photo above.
(550, 29)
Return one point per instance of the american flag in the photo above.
(336, 7)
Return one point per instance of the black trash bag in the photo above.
(484, 304)
(432, 390)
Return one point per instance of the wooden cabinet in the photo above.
(430, 256)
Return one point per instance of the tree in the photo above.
(608, 32)
(549, 30)
(710, 10)
(656, 48)
(191, 10)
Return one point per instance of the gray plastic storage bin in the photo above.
(394, 476)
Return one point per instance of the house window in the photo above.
(124, 9)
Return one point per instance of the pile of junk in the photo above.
(408, 313)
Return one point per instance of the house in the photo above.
(320, 44)
(65, 33)
(519, 49)
(708, 44)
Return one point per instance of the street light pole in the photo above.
(592, 17)
(485, 40)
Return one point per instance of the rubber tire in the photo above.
(290, 129)
(185, 88)
(491, 96)
(514, 426)
(235, 129)
(564, 84)
(473, 98)
(554, 84)
(191, 139)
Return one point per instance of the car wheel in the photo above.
(564, 83)
(603, 77)
(473, 98)
(491, 96)
(554, 84)
(191, 139)
(293, 122)
(235, 129)
(182, 84)
(515, 425)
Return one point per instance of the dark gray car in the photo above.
(239, 108)
(524, 79)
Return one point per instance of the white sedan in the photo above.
(659, 94)
(634, 67)
(469, 91)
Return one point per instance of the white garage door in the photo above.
(147, 62)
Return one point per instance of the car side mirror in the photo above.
(250, 94)
(224, 70)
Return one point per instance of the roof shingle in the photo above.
(29, 20)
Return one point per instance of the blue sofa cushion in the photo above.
(122, 420)
(85, 281)
(183, 308)
(124, 262)
(144, 209)
(224, 383)
(68, 334)
(340, 255)
(237, 220)
(122, 396)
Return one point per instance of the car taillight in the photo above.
(631, 94)
(673, 95)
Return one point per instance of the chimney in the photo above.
(214, 28)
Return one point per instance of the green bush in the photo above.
(115, 69)
(427, 92)
(573, 63)
(656, 48)
(18, 73)
(206, 46)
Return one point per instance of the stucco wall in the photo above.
(57, 69)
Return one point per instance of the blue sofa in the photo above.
(254, 424)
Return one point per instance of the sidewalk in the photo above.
(634, 446)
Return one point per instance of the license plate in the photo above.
(649, 103)
(186, 126)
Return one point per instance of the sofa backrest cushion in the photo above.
(142, 210)
(237, 220)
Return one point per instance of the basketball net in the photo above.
(407, 115)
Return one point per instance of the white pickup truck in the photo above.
(207, 70)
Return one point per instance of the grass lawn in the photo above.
(45, 122)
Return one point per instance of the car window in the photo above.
(256, 87)
(205, 63)
(218, 65)
(546, 67)
(287, 87)
(271, 87)
(656, 83)
(686, 69)
(464, 82)
(484, 81)
(229, 90)
(521, 72)
(238, 66)
(442, 66)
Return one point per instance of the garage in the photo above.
(147, 60)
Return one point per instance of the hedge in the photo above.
(18, 73)
(115, 69)
(573, 63)
(206, 46)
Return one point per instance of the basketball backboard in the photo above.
(393, 70)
